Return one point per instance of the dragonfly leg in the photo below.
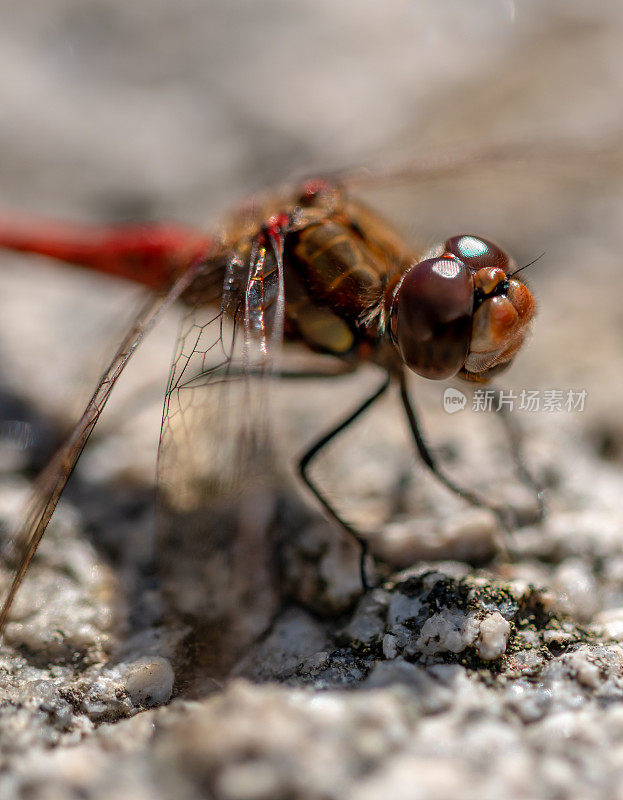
(427, 457)
(343, 368)
(514, 435)
(313, 451)
(288, 375)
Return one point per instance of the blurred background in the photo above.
(158, 110)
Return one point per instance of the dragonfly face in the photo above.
(461, 311)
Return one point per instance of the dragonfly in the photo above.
(310, 266)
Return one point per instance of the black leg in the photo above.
(312, 375)
(234, 371)
(472, 497)
(316, 448)
(514, 435)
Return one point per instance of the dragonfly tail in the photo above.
(152, 255)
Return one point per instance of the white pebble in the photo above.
(149, 681)
(390, 646)
(493, 636)
(588, 673)
(447, 632)
(610, 623)
(576, 588)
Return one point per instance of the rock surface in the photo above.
(486, 663)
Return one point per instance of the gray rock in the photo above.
(469, 675)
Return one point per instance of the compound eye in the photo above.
(431, 317)
(477, 253)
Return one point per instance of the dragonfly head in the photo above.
(461, 311)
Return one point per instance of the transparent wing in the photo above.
(215, 469)
(571, 156)
(52, 481)
(230, 350)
